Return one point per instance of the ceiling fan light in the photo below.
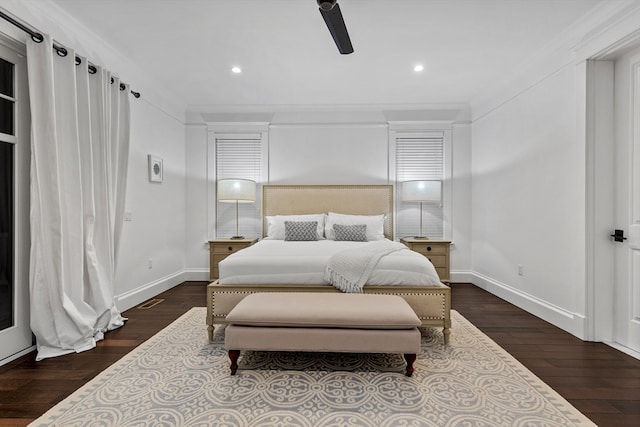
(326, 4)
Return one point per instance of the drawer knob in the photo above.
(230, 248)
(429, 248)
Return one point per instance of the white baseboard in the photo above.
(197, 274)
(142, 293)
(17, 355)
(462, 277)
(574, 323)
(623, 349)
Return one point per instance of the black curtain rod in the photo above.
(60, 50)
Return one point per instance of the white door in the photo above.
(15, 334)
(627, 200)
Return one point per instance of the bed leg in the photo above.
(446, 332)
(410, 358)
(233, 355)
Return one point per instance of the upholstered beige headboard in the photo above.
(313, 199)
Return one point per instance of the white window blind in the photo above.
(419, 156)
(238, 156)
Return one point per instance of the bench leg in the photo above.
(410, 358)
(446, 332)
(233, 355)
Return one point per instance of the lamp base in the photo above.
(421, 237)
(236, 237)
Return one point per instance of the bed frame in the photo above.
(432, 304)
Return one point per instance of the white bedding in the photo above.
(302, 263)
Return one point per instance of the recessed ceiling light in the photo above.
(418, 68)
(236, 70)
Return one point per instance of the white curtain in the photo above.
(79, 157)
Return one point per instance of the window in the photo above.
(6, 235)
(7, 106)
(7, 101)
(419, 156)
(238, 156)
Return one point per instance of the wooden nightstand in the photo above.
(436, 250)
(219, 249)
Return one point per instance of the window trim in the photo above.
(239, 131)
(398, 129)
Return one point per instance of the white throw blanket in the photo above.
(350, 269)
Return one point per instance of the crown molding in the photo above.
(461, 125)
(617, 26)
(332, 125)
(439, 125)
(235, 127)
(289, 108)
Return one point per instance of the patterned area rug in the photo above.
(178, 378)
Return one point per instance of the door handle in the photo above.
(618, 236)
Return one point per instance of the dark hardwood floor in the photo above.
(600, 381)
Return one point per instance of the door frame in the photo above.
(20, 333)
(599, 135)
(599, 128)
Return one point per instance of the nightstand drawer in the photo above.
(228, 248)
(438, 261)
(443, 274)
(222, 248)
(437, 251)
(217, 258)
(429, 249)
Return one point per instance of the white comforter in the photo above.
(300, 263)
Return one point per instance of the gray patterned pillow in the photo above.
(352, 233)
(300, 230)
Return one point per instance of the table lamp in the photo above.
(421, 191)
(234, 190)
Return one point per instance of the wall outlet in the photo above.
(150, 263)
(520, 270)
(127, 215)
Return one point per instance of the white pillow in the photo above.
(374, 223)
(275, 225)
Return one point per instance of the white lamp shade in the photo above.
(236, 190)
(422, 191)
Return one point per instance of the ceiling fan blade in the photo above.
(337, 28)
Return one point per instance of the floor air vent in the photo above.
(151, 303)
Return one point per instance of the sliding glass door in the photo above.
(15, 334)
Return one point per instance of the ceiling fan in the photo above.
(330, 11)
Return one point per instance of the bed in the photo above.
(275, 265)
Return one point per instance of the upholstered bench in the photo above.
(323, 322)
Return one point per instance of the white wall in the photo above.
(461, 210)
(528, 201)
(328, 154)
(197, 202)
(157, 228)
